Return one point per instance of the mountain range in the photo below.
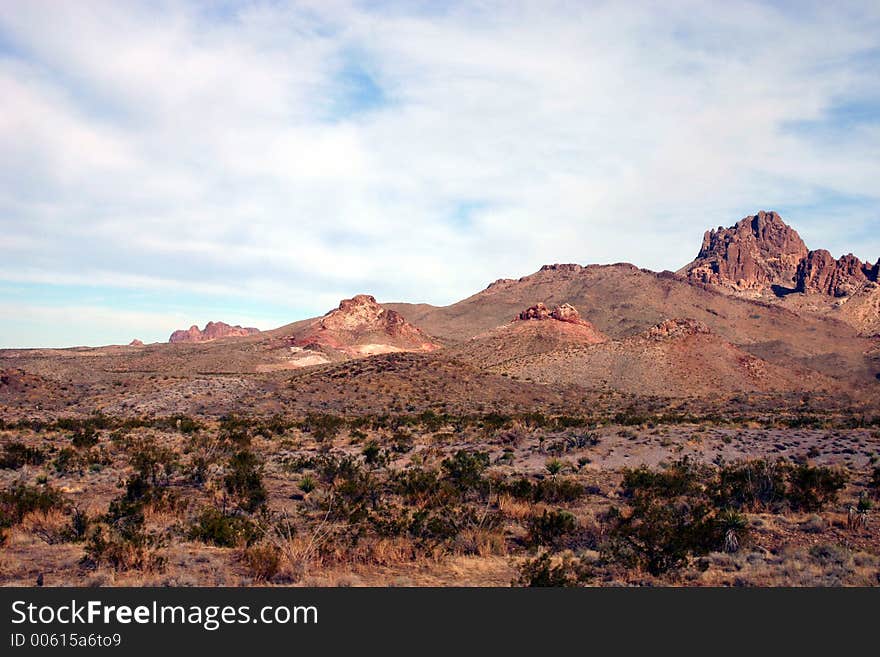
(756, 311)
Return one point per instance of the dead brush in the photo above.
(513, 508)
(262, 561)
(51, 527)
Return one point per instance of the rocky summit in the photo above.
(360, 326)
(755, 254)
(212, 331)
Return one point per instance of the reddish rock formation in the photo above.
(212, 331)
(675, 328)
(135, 343)
(755, 254)
(538, 311)
(563, 313)
(820, 272)
(563, 267)
(360, 326)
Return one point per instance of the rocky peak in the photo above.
(361, 326)
(360, 311)
(820, 272)
(674, 328)
(212, 331)
(570, 267)
(756, 253)
(136, 343)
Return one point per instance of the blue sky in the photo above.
(170, 163)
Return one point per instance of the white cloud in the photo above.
(177, 149)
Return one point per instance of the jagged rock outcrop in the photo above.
(212, 331)
(136, 343)
(676, 328)
(572, 267)
(360, 326)
(820, 272)
(563, 313)
(755, 254)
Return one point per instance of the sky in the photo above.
(169, 163)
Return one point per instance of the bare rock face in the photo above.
(562, 313)
(757, 253)
(539, 311)
(360, 326)
(135, 343)
(570, 267)
(212, 331)
(676, 328)
(567, 313)
(820, 272)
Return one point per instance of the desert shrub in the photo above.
(307, 484)
(214, 527)
(492, 422)
(66, 461)
(401, 442)
(235, 429)
(752, 485)
(179, 422)
(432, 421)
(272, 426)
(20, 499)
(244, 481)
(556, 491)
(672, 516)
(372, 454)
(78, 528)
(322, 426)
(552, 491)
(875, 480)
(262, 561)
(331, 467)
(153, 463)
(84, 438)
(660, 534)
(683, 477)
(70, 460)
(447, 522)
(465, 470)
(354, 495)
(550, 528)
(17, 455)
(298, 463)
(543, 571)
(129, 548)
(810, 488)
(417, 485)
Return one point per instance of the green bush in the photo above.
(20, 499)
(465, 470)
(223, 530)
(550, 528)
(811, 488)
(322, 426)
(752, 485)
(660, 534)
(683, 477)
(17, 455)
(244, 481)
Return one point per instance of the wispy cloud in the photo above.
(289, 154)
